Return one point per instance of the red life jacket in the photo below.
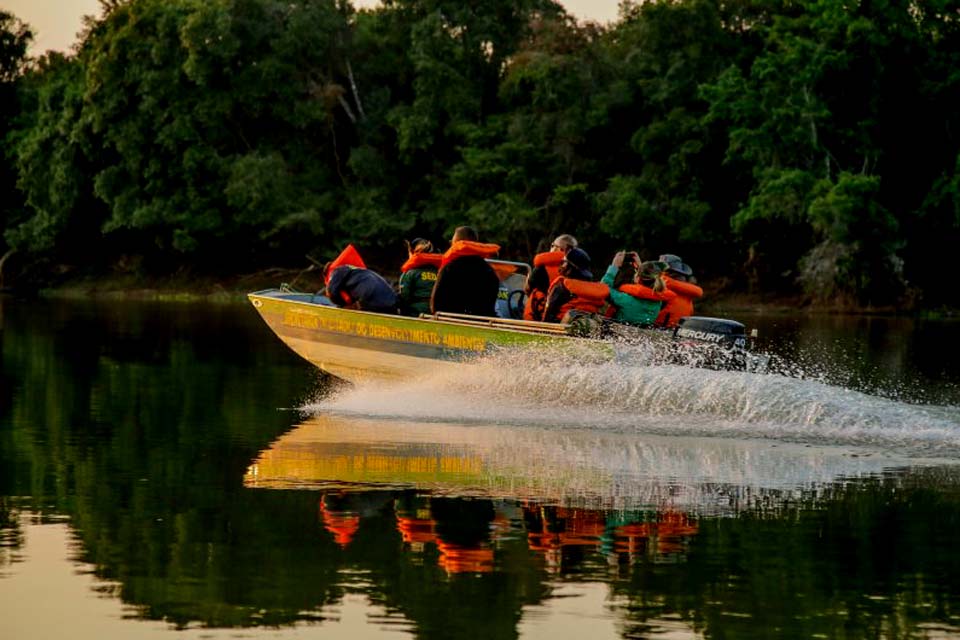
(349, 256)
(419, 260)
(551, 261)
(681, 305)
(536, 303)
(462, 248)
(588, 297)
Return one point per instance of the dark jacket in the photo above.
(361, 287)
(466, 285)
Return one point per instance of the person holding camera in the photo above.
(637, 289)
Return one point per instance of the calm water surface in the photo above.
(174, 471)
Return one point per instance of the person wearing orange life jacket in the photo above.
(417, 277)
(546, 268)
(537, 286)
(573, 290)
(637, 291)
(679, 279)
(350, 284)
(465, 282)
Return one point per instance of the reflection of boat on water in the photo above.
(464, 534)
(357, 345)
(466, 494)
(563, 467)
(457, 494)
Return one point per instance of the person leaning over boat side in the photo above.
(546, 267)
(637, 291)
(574, 289)
(417, 277)
(465, 282)
(679, 279)
(359, 288)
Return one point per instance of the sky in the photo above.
(56, 23)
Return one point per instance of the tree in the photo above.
(53, 167)
(797, 120)
(15, 37)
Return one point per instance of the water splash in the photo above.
(636, 397)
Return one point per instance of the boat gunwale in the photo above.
(480, 322)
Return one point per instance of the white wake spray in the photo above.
(634, 396)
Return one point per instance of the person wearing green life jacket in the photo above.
(417, 277)
(637, 290)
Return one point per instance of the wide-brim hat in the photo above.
(674, 263)
(580, 261)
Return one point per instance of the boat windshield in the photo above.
(513, 279)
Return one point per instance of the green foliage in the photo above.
(14, 39)
(857, 257)
(51, 161)
(754, 138)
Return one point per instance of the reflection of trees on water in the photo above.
(11, 533)
(868, 559)
(862, 559)
(146, 453)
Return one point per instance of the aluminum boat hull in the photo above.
(361, 345)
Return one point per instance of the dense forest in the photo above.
(779, 146)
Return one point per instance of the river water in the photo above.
(172, 470)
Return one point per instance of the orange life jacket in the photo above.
(342, 524)
(681, 305)
(536, 303)
(587, 296)
(642, 292)
(419, 260)
(551, 261)
(462, 248)
(349, 256)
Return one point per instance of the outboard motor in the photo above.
(714, 343)
(720, 331)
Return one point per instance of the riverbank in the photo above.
(719, 301)
(178, 287)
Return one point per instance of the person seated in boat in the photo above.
(466, 283)
(679, 279)
(637, 290)
(417, 277)
(537, 286)
(546, 267)
(574, 290)
(355, 287)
